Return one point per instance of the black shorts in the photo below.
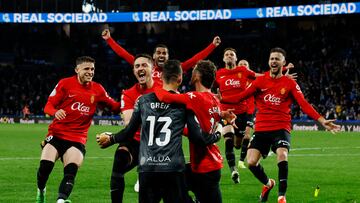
(263, 141)
(169, 186)
(63, 145)
(240, 122)
(250, 120)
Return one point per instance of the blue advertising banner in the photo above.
(192, 15)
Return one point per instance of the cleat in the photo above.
(266, 190)
(281, 199)
(241, 165)
(235, 177)
(40, 196)
(137, 186)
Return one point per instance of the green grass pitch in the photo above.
(318, 158)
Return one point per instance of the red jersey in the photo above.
(130, 96)
(207, 110)
(233, 81)
(250, 101)
(273, 97)
(120, 51)
(79, 103)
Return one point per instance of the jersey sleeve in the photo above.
(249, 73)
(305, 106)
(120, 51)
(197, 57)
(134, 124)
(167, 97)
(56, 96)
(236, 98)
(196, 135)
(126, 101)
(105, 98)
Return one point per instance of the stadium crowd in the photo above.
(325, 52)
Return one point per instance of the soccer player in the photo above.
(73, 103)
(231, 80)
(162, 164)
(161, 54)
(274, 95)
(126, 155)
(205, 161)
(250, 119)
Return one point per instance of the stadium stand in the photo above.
(325, 51)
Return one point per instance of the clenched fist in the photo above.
(105, 34)
(104, 139)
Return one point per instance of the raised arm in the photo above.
(201, 55)
(196, 135)
(120, 51)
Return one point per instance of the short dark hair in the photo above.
(278, 49)
(147, 56)
(207, 70)
(171, 71)
(162, 46)
(229, 49)
(84, 59)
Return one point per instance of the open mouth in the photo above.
(142, 75)
(161, 60)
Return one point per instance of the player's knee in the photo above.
(45, 168)
(251, 161)
(282, 155)
(228, 129)
(122, 161)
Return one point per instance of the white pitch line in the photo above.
(291, 154)
(322, 148)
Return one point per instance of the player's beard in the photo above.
(275, 72)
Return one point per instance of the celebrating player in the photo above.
(274, 95)
(126, 155)
(73, 104)
(160, 55)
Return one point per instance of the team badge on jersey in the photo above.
(92, 98)
(282, 91)
(239, 75)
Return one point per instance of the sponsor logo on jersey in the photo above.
(282, 91)
(272, 99)
(80, 107)
(92, 99)
(232, 82)
(155, 160)
(156, 74)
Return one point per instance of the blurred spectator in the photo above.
(325, 52)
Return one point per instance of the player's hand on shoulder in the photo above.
(104, 139)
(105, 34)
(216, 41)
(60, 114)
